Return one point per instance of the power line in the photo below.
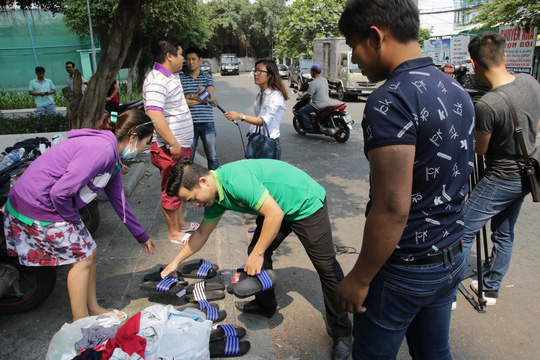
(450, 11)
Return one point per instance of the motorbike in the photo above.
(463, 73)
(331, 120)
(25, 287)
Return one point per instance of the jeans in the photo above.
(207, 132)
(303, 112)
(46, 110)
(408, 300)
(499, 200)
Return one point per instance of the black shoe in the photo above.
(342, 348)
(251, 307)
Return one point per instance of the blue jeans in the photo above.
(46, 110)
(499, 200)
(207, 132)
(303, 112)
(408, 300)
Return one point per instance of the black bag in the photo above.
(532, 168)
(261, 146)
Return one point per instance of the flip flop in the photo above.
(252, 229)
(211, 310)
(200, 294)
(118, 313)
(202, 269)
(206, 286)
(156, 275)
(253, 285)
(220, 332)
(230, 347)
(169, 285)
(192, 227)
(184, 240)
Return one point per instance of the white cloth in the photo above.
(271, 111)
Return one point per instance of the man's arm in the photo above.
(195, 243)
(482, 143)
(162, 128)
(193, 99)
(391, 170)
(273, 216)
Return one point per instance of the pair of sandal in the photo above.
(243, 285)
(191, 228)
(225, 341)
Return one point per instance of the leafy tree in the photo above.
(265, 22)
(304, 21)
(229, 20)
(524, 13)
(424, 34)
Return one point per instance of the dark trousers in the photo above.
(315, 234)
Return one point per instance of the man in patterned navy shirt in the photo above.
(419, 140)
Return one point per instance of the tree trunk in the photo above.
(132, 69)
(93, 102)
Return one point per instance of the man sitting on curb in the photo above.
(286, 200)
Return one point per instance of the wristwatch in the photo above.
(244, 117)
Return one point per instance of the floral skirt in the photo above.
(59, 243)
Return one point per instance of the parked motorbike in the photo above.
(330, 120)
(463, 73)
(24, 287)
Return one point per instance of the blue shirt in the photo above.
(44, 86)
(200, 112)
(422, 106)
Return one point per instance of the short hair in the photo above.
(164, 45)
(71, 63)
(40, 69)
(193, 50)
(400, 17)
(185, 173)
(487, 49)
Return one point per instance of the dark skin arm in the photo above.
(391, 169)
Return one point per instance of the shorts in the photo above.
(161, 158)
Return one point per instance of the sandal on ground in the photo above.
(206, 286)
(200, 294)
(220, 332)
(192, 227)
(229, 347)
(118, 313)
(169, 285)
(156, 275)
(183, 241)
(202, 269)
(253, 285)
(211, 310)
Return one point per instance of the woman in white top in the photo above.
(269, 104)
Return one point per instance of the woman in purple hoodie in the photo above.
(41, 221)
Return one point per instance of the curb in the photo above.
(132, 178)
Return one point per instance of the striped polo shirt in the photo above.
(162, 91)
(200, 112)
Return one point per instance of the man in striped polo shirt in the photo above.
(201, 112)
(164, 102)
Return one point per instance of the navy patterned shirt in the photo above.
(422, 106)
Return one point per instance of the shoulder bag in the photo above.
(532, 168)
(261, 146)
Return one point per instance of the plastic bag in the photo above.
(173, 334)
(62, 345)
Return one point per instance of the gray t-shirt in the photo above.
(493, 116)
(318, 89)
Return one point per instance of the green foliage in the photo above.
(424, 34)
(306, 20)
(33, 124)
(524, 13)
(22, 100)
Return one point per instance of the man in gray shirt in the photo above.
(318, 92)
(498, 196)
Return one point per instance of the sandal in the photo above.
(156, 275)
(253, 285)
(118, 313)
(192, 227)
(183, 241)
(229, 347)
(211, 310)
(169, 285)
(206, 286)
(201, 294)
(199, 269)
(220, 332)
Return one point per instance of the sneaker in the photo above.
(490, 296)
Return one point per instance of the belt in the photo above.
(441, 256)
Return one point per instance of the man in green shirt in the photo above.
(285, 199)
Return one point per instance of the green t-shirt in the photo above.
(244, 185)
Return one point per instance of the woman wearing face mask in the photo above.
(269, 104)
(41, 221)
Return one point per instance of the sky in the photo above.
(442, 23)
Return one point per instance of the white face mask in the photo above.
(129, 154)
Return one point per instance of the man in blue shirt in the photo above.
(201, 112)
(419, 140)
(42, 89)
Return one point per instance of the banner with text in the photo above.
(519, 48)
